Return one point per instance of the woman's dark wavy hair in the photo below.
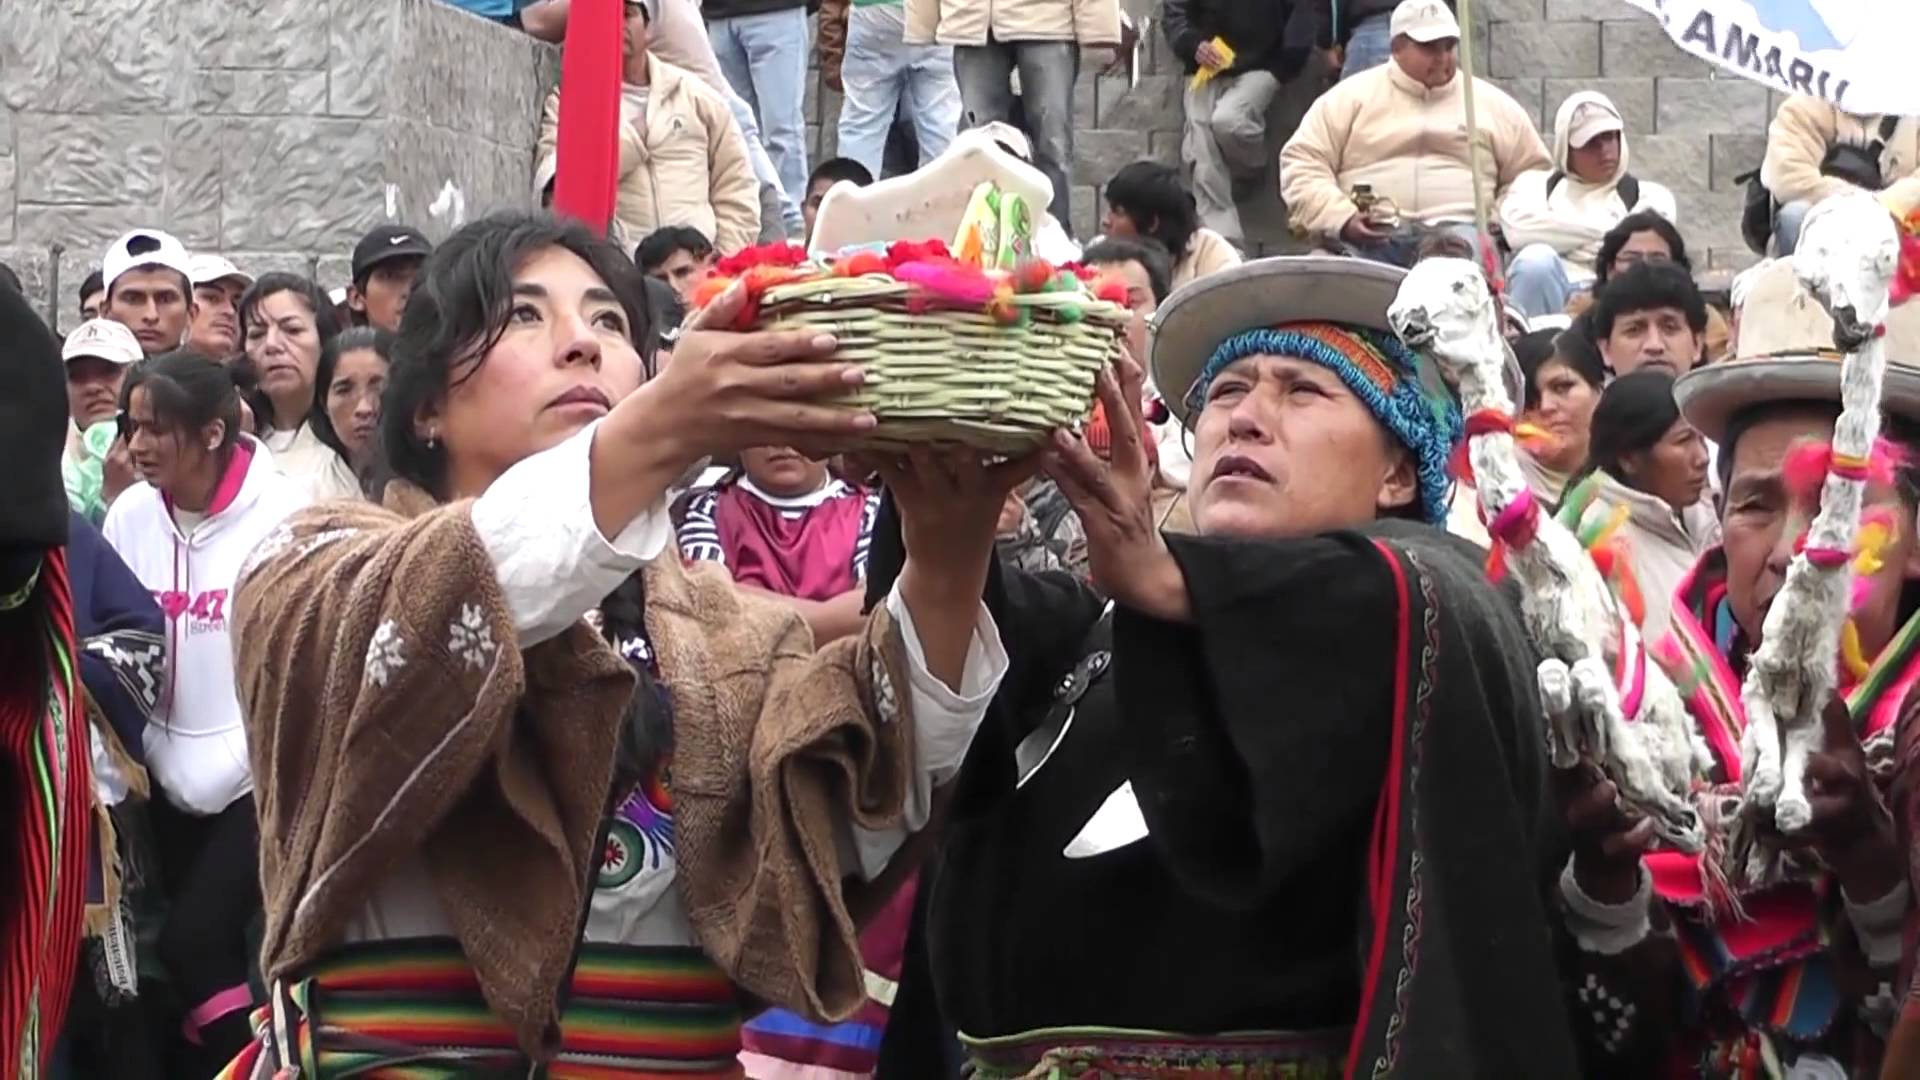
(456, 314)
(1635, 412)
(187, 392)
(352, 339)
(1157, 200)
(324, 323)
(458, 311)
(1644, 221)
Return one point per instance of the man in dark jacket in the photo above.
(1247, 48)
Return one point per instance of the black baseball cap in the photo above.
(386, 243)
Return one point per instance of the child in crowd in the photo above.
(783, 524)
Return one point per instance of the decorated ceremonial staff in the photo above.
(44, 777)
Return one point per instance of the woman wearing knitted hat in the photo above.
(1219, 822)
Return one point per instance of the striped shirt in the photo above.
(700, 535)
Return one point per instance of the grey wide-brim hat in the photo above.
(1266, 293)
(1785, 352)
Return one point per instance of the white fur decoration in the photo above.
(1848, 254)
(1446, 310)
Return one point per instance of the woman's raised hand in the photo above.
(950, 501)
(729, 390)
(1114, 500)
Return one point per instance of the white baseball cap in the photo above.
(103, 338)
(206, 269)
(144, 247)
(1425, 21)
(1590, 121)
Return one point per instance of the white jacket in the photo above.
(1662, 546)
(1575, 216)
(300, 456)
(196, 746)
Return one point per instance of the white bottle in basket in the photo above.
(930, 202)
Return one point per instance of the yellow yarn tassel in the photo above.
(1850, 653)
(1871, 543)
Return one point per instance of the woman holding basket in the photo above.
(531, 791)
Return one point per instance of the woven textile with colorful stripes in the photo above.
(412, 1010)
(1089, 1053)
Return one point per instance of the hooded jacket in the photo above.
(1557, 208)
(195, 744)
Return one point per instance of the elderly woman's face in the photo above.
(1282, 448)
(565, 359)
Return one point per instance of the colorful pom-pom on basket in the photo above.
(989, 358)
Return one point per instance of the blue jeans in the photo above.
(1047, 72)
(1537, 281)
(764, 57)
(883, 75)
(1787, 225)
(1370, 46)
(786, 211)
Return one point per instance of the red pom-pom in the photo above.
(779, 253)
(1032, 275)
(1112, 290)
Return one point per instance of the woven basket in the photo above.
(954, 376)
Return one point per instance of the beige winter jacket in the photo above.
(688, 167)
(969, 22)
(1662, 546)
(1804, 130)
(1207, 253)
(1409, 142)
(1573, 216)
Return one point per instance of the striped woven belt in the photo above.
(1110, 1054)
(412, 1010)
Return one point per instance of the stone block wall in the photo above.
(277, 131)
(273, 131)
(1687, 126)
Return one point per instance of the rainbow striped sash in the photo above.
(411, 1009)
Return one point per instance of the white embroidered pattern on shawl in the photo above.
(269, 546)
(386, 654)
(470, 639)
(886, 703)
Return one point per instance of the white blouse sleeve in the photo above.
(945, 722)
(554, 566)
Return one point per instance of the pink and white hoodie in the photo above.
(195, 742)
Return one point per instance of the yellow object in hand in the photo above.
(1205, 73)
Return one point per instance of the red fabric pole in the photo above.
(589, 139)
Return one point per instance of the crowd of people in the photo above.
(487, 667)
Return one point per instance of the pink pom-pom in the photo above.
(951, 282)
(1805, 469)
(1861, 589)
(1888, 458)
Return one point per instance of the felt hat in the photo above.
(1785, 352)
(1270, 292)
(1283, 306)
